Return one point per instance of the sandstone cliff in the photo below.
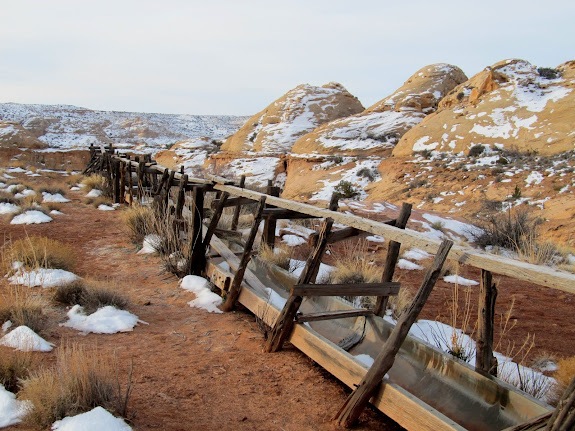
(511, 104)
(377, 129)
(299, 111)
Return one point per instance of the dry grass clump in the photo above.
(30, 201)
(52, 189)
(100, 200)
(39, 252)
(566, 371)
(91, 295)
(52, 206)
(20, 306)
(80, 381)
(400, 302)
(15, 366)
(8, 198)
(73, 179)
(355, 267)
(139, 220)
(278, 256)
(94, 181)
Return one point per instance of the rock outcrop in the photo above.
(275, 129)
(377, 129)
(13, 135)
(512, 105)
(190, 153)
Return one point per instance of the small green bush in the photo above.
(476, 151)
(548, 72)
(346, 190)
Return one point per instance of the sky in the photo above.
(236, 57)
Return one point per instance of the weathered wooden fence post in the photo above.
(484, 359)
(269, 233)
(197, 254)
(285, 321)
(235, 288)
(359, 398)
(391, 258)
(236, 216)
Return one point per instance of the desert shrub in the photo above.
(426, 154)
(438, 225)
(416, 183)
(346, 190)
(338, 160)
(73, 179)
(508, 230)
(491, 205)
(516, 193)
(52, 206)
(91, 295)
(139, 220)
(79, 382)
(370, 174)
(14, 367)
(460, 96)
(476, 151)
(548, 72)
(39, 252)
(21, 307)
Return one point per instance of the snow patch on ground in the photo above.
(31, 217)
(49, 197)
(8, 208)
(96, 419)
(406, 264)
(151, 244)
(94, 193)
(11, 410)
(456, 279)
(103, 207)
(45, 277)
(24, 339)
(205, 298)
(107, 320)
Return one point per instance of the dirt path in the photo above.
(192, 369)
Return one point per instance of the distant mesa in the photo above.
(512, 105)
(376, 130)
(275, 129)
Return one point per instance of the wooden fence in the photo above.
(131, 180)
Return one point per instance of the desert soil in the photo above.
(191, 369)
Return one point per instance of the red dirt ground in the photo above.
(192, 369)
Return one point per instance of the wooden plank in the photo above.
(357, 289)
(285, 321)
(358, 399)
(542, 275)
(343, 234)
(484, 359)
(329, 315)
(246, 257)
(392, 257)
(281, 214)
(181, 197)
(232, 202)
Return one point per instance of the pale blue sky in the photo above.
(235, 57)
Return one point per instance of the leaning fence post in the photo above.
(359, 398)
(269, 233)
(235, 288)
(484, 358)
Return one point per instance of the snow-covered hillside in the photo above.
(64, 126)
